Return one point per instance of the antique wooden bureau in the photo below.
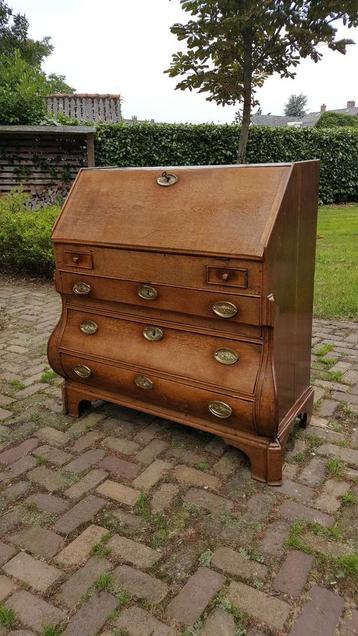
(187, 294)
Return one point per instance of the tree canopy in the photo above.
(295, 106)
(233, 46)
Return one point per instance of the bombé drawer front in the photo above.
(219, 409)
(228, 307)
(224, 362)
(197, 272)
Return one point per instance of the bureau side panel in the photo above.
(288, 275)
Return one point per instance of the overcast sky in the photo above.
(123, 46)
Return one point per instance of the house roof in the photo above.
(310, 119)
(273, 120)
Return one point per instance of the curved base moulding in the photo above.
(266, 456)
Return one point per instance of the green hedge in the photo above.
(190, 144)
(25, 243)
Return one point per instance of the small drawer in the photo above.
(78, 259)
(220, 410)
(228, 276)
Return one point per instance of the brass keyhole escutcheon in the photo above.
(82, 289)
(225, 276)
(82, 371)
(226, 356)
(224, 309)
(88, 327)
(153, 333)
(147, 292)
(220, 409)
(143, 382)
(167, 179)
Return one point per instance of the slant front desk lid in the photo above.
(216, 210)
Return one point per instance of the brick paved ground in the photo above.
(119, 523)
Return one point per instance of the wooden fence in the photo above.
(39, 157)
(86, 107)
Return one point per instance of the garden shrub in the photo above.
(337, 120)
(25, 243)
(146, 144)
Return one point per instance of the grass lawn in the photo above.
(336, 280)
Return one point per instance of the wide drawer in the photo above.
(185, 301)
(232, 364)
(230, 411)
(197, 272)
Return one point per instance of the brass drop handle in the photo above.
(220, 409)
(82, 289)
(82, 371)
(167, 179)
(153, 334)
(143, 382)
(147, 292)
(88, 327)
(224, 309)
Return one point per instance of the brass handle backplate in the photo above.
(220, 409)
(224, 309)
(226, 356)
(82, 289)
(147, 292)
(143, 382)
(153, 333)
(88, 327)
(167, 179)
(82, 371)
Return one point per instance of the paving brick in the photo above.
(259, 605)
(85, 461)
(216, 446)
(195, 596)
(35, 573)
(133, 552)
(128, 522)
(76, 552)
(329, 499)
(193, 477)
(135, 621)
(231, 562)
(11, 519)
(86, 441)
(52, 455)
(6, 552)
(92, 616)
(119, 467)
(39, 541)
(208, 501)
(19, 467)
(34, 612)
(16, 452)
(151, 475)
(20, 632)
(219, 623)
(82, 512)
(15, 491)
(327, 408)
(346, 454)
(320, 614)
(326, 434)
(47, 478)
(71, 592)
(151, 451)
(163, 497)
(296, 491)
(149, 432)
(320, 544)
(52, 436)
(349, 625)
(4, 414)
(88, 482)
(139, 584)
(121, 445)
(118, 492)
(228, 463)
(48, 503)
(7, 587)
(298, 512)
(293, 573)
(314, 472)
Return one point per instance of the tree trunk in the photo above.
(246, 114)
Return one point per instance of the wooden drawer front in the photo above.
(77, 259)
(175, 351)
(186, 301)
(169, 394)
(196, 272)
